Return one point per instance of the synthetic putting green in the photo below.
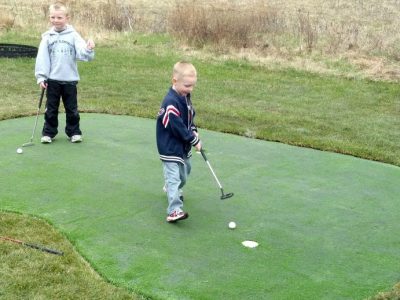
(327, 224)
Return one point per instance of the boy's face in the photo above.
(184, 85)
(58, 19)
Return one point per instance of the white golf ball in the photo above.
(19, 150)
(232, 225)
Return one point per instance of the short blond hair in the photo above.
(182, 69)
(59, 6)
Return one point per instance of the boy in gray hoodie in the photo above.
(56, 71)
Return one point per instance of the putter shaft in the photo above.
(223, 196)
(30, 143)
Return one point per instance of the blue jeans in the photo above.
(175, 176)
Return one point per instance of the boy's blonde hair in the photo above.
(59, 6)
(182, 69)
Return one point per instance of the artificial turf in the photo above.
(327, 224)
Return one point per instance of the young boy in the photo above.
(176, 134)
(56, 70)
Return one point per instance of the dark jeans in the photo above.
(67, 91)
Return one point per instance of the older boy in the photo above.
(56, 70)
(176, 134)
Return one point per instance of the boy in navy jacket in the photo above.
(176, 135)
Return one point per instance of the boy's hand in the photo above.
(198, 146)
(90, 44)
(43, 85)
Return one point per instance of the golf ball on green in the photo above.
(232, 225)
(19, 150)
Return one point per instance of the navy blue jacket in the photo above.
(175, 127)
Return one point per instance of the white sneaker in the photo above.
(76, 138)
(176, 216)
(46, 139)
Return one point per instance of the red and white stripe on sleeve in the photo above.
(170, 110)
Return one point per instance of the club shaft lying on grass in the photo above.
(34, 246)
(30, 143)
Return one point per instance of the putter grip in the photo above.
(41, 98)
(203, 154)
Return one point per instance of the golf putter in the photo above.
(30, 143)
(223, 195)
(34, 246)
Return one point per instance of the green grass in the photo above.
(356, 117)
(326, 223)
(26, 273)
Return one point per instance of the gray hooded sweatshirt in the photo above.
(58, 54)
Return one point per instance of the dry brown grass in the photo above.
(6, 21)
(356, 38)
(217, 24)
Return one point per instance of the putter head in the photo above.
(226, 196)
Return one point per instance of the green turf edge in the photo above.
(58, 241)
